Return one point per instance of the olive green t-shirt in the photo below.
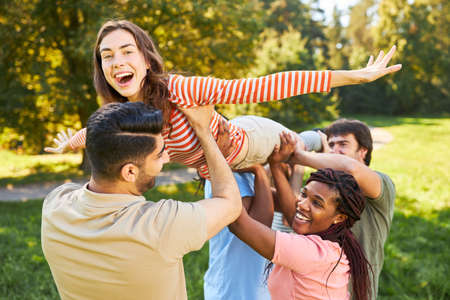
(372, 229)
(115, 246)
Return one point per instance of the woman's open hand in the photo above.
(378, 68)
(62, 142)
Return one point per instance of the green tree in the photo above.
(287, 51)
(420, 28)
(356, 43)
(337, 42)
(288, 15)
(292, 40)
(47, 59)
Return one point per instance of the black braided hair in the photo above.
(351, 202)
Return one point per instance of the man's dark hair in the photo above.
(359, 129)
(121, 133)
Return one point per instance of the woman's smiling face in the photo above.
(316, 209)
(123, 64)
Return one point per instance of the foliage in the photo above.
(420, 30)
(291, 40)
(294, 41)
(47, 82)
(279, 52)
(46, 61)
(284, 15)
(47, 67)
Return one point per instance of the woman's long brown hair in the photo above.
(154, 88)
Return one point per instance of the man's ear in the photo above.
(339, 218)
(362, 152)
(129, 172)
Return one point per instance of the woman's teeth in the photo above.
(302, 217)
(123, 75)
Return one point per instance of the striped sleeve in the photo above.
(194, 91)
(78, 140)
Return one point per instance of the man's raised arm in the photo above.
(226, 204)
(367, 179)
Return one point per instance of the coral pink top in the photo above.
(302, 264)
(183, 145)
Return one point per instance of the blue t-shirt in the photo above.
(235, 270)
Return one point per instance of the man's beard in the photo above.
(144, 183)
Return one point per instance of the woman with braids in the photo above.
(128, 67)
(318, 261)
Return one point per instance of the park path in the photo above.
(40, 190)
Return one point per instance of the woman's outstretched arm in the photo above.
(258, 236)
(193, 91)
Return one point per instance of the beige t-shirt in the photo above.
(115, 246)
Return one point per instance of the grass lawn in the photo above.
(20, 169)
(417, 257)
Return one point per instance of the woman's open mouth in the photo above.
(299, 215)
(123, 78)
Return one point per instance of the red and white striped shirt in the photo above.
(183, 145)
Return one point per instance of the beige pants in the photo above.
(263, 134)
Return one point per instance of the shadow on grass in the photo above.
(388, 121)
(45, 173)
(58, 172)
(417, 259)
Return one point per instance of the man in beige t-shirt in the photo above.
(103, 240)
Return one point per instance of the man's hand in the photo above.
(199, 116)
(325, 146)
(223, 138)
(252, 169)
(62, 142)
(378, 68)
(287, 146)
